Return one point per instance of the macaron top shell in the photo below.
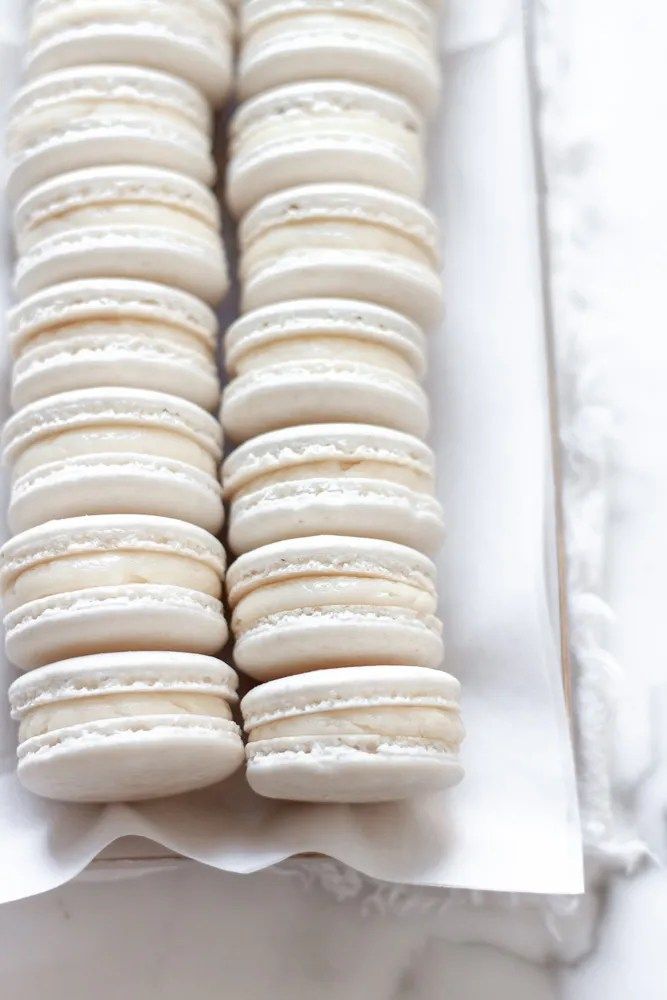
(86, 407)
(328, 317)
(349, 202)
(94, 187)
(117, 673)
(349, 687)
(408, 12)
(293, 446)
(109, 299)
(328, 555)
(104, 532)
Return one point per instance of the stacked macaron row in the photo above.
(112, 585)
(332, 512)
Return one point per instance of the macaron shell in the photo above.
(99, 360)
(369, 508)
(108, 299)
(108, 619)
(348, 769)
(317, 638)
(130, 758)
(328, 51)
(302, 392)
(116, 483)
(405, 286)
(140, 252)
(150, 672)
(298, 161)
(206, 63)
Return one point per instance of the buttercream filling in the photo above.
(114, 438)
(122, 214)
(35, 123)
(324, 348)
(441, 726)
(341, 469)
(322, 234)
(59, 715)
(128, 332)
(108, 569)
(197, 20)
(329, 591)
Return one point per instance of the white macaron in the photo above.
(332, 479)
(190, 38)
(348, 241)
(110, 583)
(120, 222)
(106, 114)
(385, 43)
(309, 603)
(109, 332)
(113, 450)
(124, 726)
(323, 131)
(360, 734)
(320, 361)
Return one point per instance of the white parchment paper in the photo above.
(512, 825)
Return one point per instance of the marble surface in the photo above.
(189, 931)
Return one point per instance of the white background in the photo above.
(197, 933)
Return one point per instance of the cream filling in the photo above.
(61, 714)
(93, 438)
(121, 214)
(109, 569)
(279, 131)
(329, 591)
(343, 235)
(348, 468)
(325, 348)
(197, 20)
(36, 123)
(336, 29)
(417, 722)
(127, 332)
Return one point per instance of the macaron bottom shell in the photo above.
(130, 758)
(111, 619)
(369, 508)
(319, 638)
(116, 483)
(351, 769)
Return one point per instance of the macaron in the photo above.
(109, 332)
(309, 603)
(111, 583)
(106, 114)
(116, 451)
(120, 222)
(386, 43)
(329, 130)
(190, 38)
(123, 726)
(348, 241)
(362, 734)
(320, 361)
(332, 479)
